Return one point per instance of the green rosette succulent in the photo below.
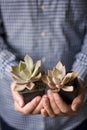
(26, 74)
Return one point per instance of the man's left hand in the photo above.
(53, 104)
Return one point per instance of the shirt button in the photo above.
(42, 7)
(43, 34)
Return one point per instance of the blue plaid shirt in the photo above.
(53, 29)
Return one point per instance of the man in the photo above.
(56, 30)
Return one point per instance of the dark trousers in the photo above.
(4, 126)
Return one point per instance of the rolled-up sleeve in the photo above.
(80, 64)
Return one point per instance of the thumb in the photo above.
(16, 96)
(78, 101)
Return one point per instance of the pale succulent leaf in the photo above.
(66, 79)
(58, 87)
(29, 63)
(17, 80)
(20, 75)
(68, 88)
(61, 69)
(44, 79)
(51, 85)
(56, 81)
(30, 86)
(15, 72)
(36, 69)
(22, 66)
(38, 77)
(17, 77)
(74, 75)
(19, 88)
(57, 74)
(59, 65)
(50, 80)
(24, 75)
(69, 77)
(27, 73)
(55, 90)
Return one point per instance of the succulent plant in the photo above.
(26, 74)
(57, 79)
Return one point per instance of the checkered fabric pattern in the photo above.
(51, 29)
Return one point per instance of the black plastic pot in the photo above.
(68, 97)
(29, 95)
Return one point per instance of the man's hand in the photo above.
(54, 105)
(32, 107)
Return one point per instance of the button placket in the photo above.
(43, 7)
(43, 34)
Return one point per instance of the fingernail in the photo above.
(45, 101)
(49, 92)
(75, 107)
(38, 99)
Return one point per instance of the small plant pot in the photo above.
(28, 95)
(68, 97)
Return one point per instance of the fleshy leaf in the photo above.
(15, 69)
(19, 88)
(74, 75)
(50, 73)
(29, 63)
(55, 90)
(55, 80)
(15, 72)
(17, 79)
(69, 77)
(61, 69)
(50, 80)
(51, 85)
(58, 74)
(24, 75)
(59, 66)
(44, 79)
(36, 69)
(19, 76)
(36, 78)
(30, 86)
(68, 88)
(27, 73)
(22, 66)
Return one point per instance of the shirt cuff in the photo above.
(7, 59)
(81, 66)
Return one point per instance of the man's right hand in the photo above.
(33, 107)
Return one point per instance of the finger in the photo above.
(29, 107)
(46, 105)
(37, 110)
(54, 107)
(43, 112)
(17, 107)
(16, 96)
(64, 108)
(78, 101)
